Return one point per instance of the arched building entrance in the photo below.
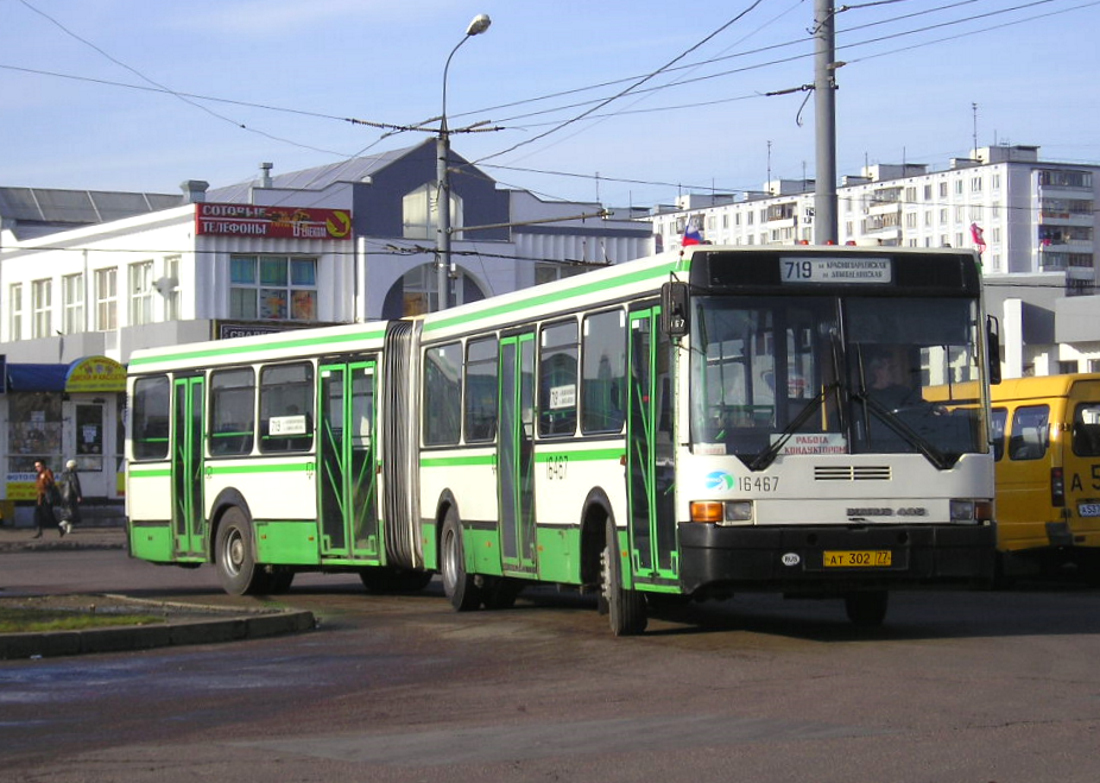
(416, 292)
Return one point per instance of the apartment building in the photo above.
(1033, 221)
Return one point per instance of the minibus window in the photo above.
(1030, 433)
(1000, 416)
(1086, 430)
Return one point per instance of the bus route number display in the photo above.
(874, 271)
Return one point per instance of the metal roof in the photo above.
(317, 178)
(57, 207)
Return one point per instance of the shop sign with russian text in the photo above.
(247, 220)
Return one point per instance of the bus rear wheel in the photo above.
(867, 609)
(626, 609)
(236, 562)
(459, 586)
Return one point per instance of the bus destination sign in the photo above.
(839, 270)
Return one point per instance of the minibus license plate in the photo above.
(1089, 509)
(867, 558)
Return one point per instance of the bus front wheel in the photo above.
(234, 557)
(626, 609)
(459, 586)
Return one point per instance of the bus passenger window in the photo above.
(1030, 433)
(604, 372)
(150, 418)
(442, 395)
(558, 379)
(232, 412)
(286, 408)
(480, 402)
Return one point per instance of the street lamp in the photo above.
(479, 25)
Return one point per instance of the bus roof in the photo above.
(286, 344)
(645, 275)
(629, 278)
(1037, 387)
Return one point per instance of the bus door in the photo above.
(348, 463)
(515, 453)
(188, 511)
(649, 462)
(1027, 515)
(1081, 458)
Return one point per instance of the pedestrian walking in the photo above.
(48, 497)
(67, 512)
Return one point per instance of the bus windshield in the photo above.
(835, 375)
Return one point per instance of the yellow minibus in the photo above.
(1046, 441)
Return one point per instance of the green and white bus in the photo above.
(689, 425)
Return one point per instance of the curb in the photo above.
(185, 632)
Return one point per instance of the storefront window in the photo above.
(273, 288)
(34, 430)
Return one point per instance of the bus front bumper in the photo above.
(834, 559)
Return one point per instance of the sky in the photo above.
(626, 103)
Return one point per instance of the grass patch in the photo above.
(28, 620)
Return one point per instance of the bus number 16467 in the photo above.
(757, 483)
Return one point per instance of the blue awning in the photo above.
(92, 374)
(37, 377)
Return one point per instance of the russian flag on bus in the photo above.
(692, 236)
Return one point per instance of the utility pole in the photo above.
(825, 218)
(479, 25)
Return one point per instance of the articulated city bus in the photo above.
(689, 425)
(1046, 437)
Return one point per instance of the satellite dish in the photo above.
(166, 285)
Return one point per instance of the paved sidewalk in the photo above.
(83, 537)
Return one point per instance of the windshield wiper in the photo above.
(837, 352)
(902, 429)
(768, 455)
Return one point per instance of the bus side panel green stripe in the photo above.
(150, 472)
(302, 342)
(601, 286)
(226, 470)
(577, 455)
(582, 455)
(458, 462)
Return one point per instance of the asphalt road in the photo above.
(959, 686)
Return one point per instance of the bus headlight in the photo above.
(732, 512)
(972, 511)
(962, 511)
(738, 511)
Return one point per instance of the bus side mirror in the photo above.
(674, 309)
(993, 342)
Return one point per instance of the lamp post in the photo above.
(479, 25)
